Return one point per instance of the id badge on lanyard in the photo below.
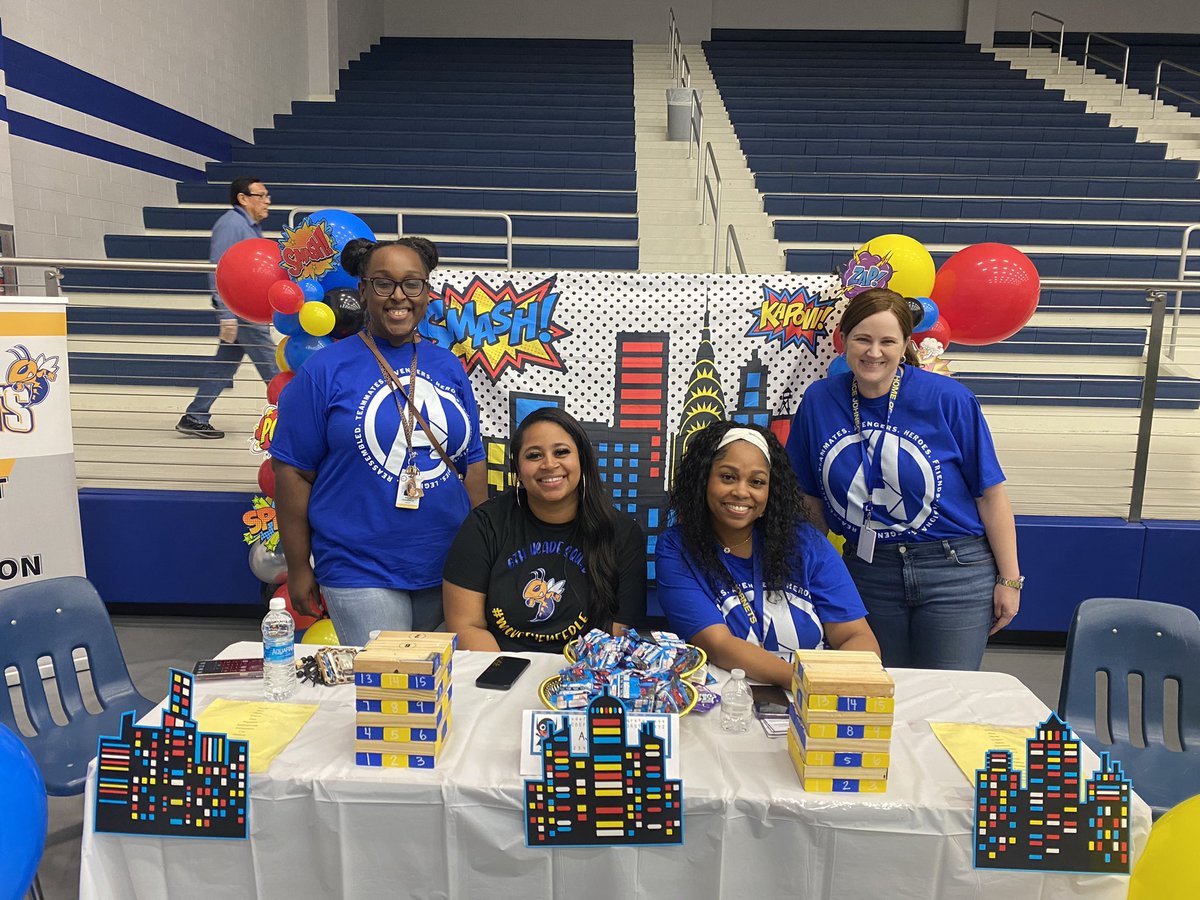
(866, 534)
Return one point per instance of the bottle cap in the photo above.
(277, 603)
(738, 673)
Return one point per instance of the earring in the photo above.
(517, 488)
(582, 485)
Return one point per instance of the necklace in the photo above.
(733, 547)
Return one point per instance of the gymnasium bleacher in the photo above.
(855, 135)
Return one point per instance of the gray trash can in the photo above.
(679, 113)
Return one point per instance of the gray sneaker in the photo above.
(196, 428)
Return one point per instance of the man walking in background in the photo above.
(251, 203)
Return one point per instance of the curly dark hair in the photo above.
(775, 531)
(597, 517)
(356, 255)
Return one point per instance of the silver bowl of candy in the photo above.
(687, 663)
(646, 674)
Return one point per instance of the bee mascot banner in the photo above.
(39, 503)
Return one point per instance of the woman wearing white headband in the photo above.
(742, 573)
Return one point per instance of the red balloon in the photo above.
(988, 292)
(302, 621)
(839, 342)
(939, 332)
(245, 274)
(266, 478)
(276, 385)
(285, 296)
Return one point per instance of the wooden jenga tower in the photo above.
(402, 699)
(841, 723)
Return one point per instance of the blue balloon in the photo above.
(312, 288)
(287, 323)
(343, 228)
(23, 824)
(838, 366)
(300, 347)
(931, 314)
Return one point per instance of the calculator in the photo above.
(249, 667)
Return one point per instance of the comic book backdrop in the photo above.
(642, 360)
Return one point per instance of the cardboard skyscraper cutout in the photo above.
(1056, 821)
(616, 793)
(172, 780)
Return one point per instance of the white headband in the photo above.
(750, 436)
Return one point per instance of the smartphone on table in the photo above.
(770, 708)
(502, 673)
(250, 667)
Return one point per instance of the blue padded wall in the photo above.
(1066, 559)
(167, 547)
(1169, 564)
(164, 548)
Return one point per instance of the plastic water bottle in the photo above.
(736, 705)
(279, 651)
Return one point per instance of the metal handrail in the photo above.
(1062, 31)
(697, 134)
(1087, 44)
(456, 214)
(1185, 247)
(715, 201)
(731, 237)
(53, 267)
(685, 72)
(672, 30)
(1159, 85)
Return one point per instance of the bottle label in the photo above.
(281, 652)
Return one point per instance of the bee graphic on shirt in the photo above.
(543, 594)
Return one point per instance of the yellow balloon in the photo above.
(320, 632)
(317, 318)
(280, 359)
(1167, 868)
(912, 266)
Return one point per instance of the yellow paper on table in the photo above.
(969, 743)
(269, 727)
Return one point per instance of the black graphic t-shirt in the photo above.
(535, 575)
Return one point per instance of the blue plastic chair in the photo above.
(53, 618)
(1159, 642)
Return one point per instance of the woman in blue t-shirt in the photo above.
(373, 486)
(742, 574)
(900, 461)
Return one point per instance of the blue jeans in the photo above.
(356, 612)
(253, 341)
(930, 602)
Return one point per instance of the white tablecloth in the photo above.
(321, 827)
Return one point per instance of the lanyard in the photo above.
(868, 474)
(757, 623)
(406, 422)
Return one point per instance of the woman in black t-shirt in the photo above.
(543, 563)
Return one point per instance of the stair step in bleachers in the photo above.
(524, 226)
(1148, 265)
(966, 185)
(861, 164)
(983, 208)
(322, 196)
(857, 231)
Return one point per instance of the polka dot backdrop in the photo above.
(595, 306)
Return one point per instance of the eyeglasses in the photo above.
(412, 288)
(264, 196)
